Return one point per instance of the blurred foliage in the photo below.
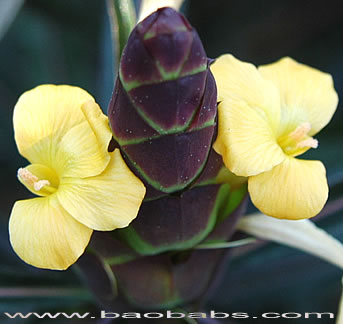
(69, 41)
(8, 12)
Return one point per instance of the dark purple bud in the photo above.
(163, 117)
(163, 46)
(163, 108)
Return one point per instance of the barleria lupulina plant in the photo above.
(164, 121)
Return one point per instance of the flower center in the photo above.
(298, 141)
(39, 179)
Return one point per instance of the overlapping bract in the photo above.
(163, 117)
(163, 108)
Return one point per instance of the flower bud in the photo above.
(164, 105)
(163, 118)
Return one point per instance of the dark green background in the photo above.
(68, 41)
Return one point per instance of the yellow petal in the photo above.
(80, 153)
(245, 140)
(98, 122)
(44, 235)
(239, 81)
(104, 202)
(307, 94)
(295, 189)
(249, 116)
(43, 115)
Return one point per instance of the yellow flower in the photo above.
(267, 117)
(82, 187)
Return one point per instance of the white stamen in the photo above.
(40, 184)
(27, 176)
(310, 142)
(31, 180)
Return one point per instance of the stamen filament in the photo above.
(298, 141)
(40, 184)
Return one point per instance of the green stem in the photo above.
(225, 245)
(122, 16)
